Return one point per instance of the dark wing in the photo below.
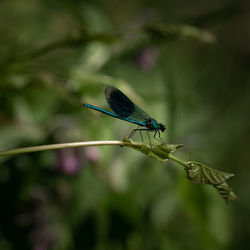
(123, 106)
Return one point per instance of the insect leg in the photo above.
(133, 132)
(161, 138)
(159, 135)
(141, 135)
(149, 140)
(140, 129)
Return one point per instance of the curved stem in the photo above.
(59, 146)
(74, 145)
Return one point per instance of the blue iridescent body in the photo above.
(126, 110)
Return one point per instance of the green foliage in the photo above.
(185, 62)
(196, 172)
(159, 152)
(201, 174)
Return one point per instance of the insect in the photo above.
(126, 110)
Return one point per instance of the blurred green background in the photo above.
(187, 63)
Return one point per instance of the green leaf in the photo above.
(160, 152)
(201, 174)
(226, 192)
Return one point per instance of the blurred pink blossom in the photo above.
(69, 160)
(147, 58)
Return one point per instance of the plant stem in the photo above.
(58, 146)
(178, 160)
(74, 145)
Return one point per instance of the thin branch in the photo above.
(196, 172)
(74, 145)
(178, 160)
(59, 146)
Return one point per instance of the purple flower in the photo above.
(147, 58)
(69, 160)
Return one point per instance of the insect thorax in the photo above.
(152, 124)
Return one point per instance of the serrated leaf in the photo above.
(160, 152)
(196, 172)
(201, 174)
(226, 192)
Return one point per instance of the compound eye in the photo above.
(162, 127)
